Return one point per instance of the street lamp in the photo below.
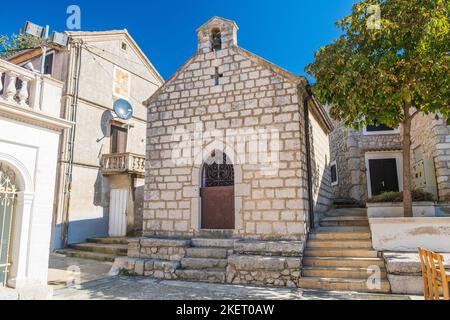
(38, 31)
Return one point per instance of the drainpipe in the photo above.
(308, 157)
(70, 160)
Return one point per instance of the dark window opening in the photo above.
(48, 66)
(124, 46)
(378, 127)
(334, 174)
(118, 139)
(216, 40)
(2, 81)
(217, 76)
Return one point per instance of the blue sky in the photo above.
(285, 32)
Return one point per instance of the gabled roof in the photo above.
(117, 34)
(289, 76)
(220, 19)
(28, 54)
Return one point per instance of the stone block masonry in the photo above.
(222, 92)
(265, 263)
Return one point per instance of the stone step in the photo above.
(269, 248)
(360, 212)
(351, 221)
(116, 249)
(88, 255)
(201, 263)
(214, 253)
(341, 284)
(340, 252)
(343, 235)
(209, 242)
(319, 243)
(341, 272)
(342, 229)
(215, 233)
(354, 262)
(212, 276)
(109, 240)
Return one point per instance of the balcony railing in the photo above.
(24, 90)
(113, 164)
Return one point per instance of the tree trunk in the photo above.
(407, 184)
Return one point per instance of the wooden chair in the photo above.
(440, 277)
(434, 275)
(426, 274)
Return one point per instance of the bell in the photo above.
(217, 41)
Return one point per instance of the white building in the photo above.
(100, 185)
(30, 130)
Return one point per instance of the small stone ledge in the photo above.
(162, 269)
(405, 272)
(158, 248)
(263, 270)
(250, 263)
(406, 263)
(270, 248)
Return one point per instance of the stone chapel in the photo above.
(237, 169)
(237, 147)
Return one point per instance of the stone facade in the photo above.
(265, 263)
(430, 137)
(226, 91)
(348, 149)
(431, 140)
(268, 263)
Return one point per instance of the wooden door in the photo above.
(118, 213)
(217, 195)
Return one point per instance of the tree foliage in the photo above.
(14, 43)
(369, 74)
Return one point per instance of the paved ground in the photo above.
(92, 282)
(139, 288)
(64, 270)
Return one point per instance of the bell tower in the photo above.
(217, 34)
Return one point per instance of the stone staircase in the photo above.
(206, 260)
(100, 249)
(339, 254)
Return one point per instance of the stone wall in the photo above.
(265, 263)
(348, 149)
(320, 160)
(269, 263)
(433, 136)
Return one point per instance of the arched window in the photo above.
(8, 193)
(218, 171)
(216, 37)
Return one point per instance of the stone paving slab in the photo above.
(139, 288)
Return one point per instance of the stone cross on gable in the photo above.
(217, 76)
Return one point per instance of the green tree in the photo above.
(389, 69)
(14, 43)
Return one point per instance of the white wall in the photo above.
(32, 152)
(408, 234)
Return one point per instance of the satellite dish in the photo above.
(123, 109)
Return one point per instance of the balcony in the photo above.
(123, 163)
(28, 96)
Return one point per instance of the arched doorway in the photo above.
(217, 192)
(8, 196)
